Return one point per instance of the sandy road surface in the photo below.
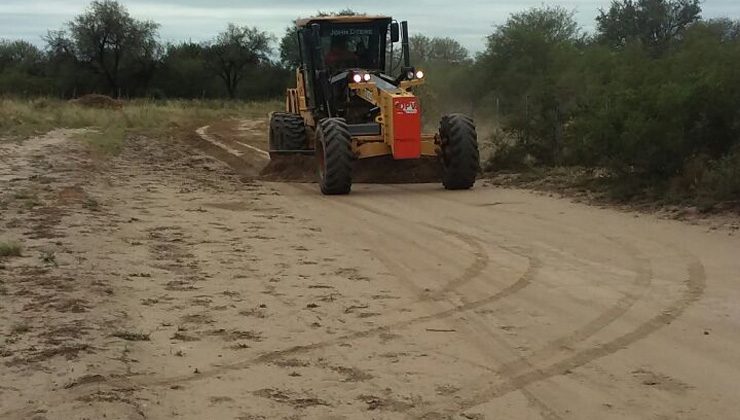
(164, 284)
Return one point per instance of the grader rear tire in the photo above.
(287, 133)
(334, 155)
(460, 155)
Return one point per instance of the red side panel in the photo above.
(406, 128)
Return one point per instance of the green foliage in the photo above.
(234, 51)
(649, 116)
(721, 181)
(182, 73)
(106, 50)
(659, 113)
(521, 67)
(108, 39)
(448, 71)
(426, 50)
(21, 56)
(22, 67)
(290, 55)
(654, 23)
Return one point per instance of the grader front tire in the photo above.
(460, 156)
(334, 155)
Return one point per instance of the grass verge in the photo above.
(599, 186)
(107, 128)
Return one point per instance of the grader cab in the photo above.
(347, 105)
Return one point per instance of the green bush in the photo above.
(664, 122)
(721, 181)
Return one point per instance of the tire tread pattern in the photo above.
(460, 154)
(287, 132)
(338, 157)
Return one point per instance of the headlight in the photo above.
(366, 77)
(410, 75)
(419, 74)
(357, 78)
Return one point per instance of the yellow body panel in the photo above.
(365, 146)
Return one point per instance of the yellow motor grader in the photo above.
(346, 105)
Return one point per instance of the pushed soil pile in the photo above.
(98, 101)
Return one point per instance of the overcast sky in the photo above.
(466, 20)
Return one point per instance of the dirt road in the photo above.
(165, 284)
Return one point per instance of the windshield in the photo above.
(352, 46)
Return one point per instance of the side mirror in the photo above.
(395, 32)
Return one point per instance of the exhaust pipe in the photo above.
(405, 45)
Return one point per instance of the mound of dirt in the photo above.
(294, 168)
(98, 101)
(380, 170)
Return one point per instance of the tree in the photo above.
(444, 50)
(108, 39)
(654, 23)
(22, 69)
(728, 30)
(290, 56)
(448, 50)
(21, 55)
(58, 44)
(420, 47)
(183, 74)
(522, 67)
(70, 76)
(234, 51)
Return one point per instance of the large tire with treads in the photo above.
(460, 156)
(287, 133)
(334, 156)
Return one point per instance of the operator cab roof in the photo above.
(340, 19)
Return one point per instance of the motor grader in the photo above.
(348, 105)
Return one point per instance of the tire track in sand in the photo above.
(522, 282)
(642, 280)
(694, 286)
(533, 265)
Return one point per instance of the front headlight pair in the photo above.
(418, 75)
(361, 77)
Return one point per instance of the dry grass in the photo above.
(131, 335)
(107, 128)
(10, 249)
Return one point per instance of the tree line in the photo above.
(106, 50)
(651, 98)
